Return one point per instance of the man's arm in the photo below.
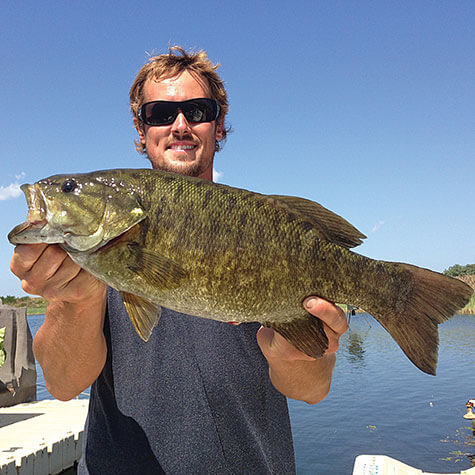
(70, 345)
(292, 372)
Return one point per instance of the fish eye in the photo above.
(68, 186)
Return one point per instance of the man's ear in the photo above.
(219, 130)
(139, 127)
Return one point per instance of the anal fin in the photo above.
(305, 333)
(143, 314)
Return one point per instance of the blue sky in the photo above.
(365, 107)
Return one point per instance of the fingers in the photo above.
(77, 287)
(24, 256)
(36, 264)
(330, 314)
(54, 281)
(274, 345)
(48, 271)
(333, 319)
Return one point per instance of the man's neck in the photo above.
(207, 174)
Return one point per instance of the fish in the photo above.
(229, 254)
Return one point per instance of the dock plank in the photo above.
(41, 437)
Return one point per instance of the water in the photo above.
(381, 404)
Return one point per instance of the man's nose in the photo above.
(181, 126)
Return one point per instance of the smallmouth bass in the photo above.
(229, 254)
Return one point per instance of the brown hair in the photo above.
(169, 65)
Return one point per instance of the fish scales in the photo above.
(230, 254)
(184, 232)
(189, 227)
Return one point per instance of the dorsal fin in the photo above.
(334, 228)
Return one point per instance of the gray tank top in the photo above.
(196, 398)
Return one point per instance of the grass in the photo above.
(33, 305)
(36, 311)
(470, 307)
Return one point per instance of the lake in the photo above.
(380, 403)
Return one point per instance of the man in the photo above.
(200, 396)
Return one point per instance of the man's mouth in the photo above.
(182, 147)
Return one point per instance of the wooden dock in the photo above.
(41, 437)
(384, 465)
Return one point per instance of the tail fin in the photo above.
(433, 300)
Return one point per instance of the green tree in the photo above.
(457, 270)
(9, 300)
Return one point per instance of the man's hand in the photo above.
(273, 345)
(294, 373)
(48, 271)
(70, 345)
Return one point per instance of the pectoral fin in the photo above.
(143, 314)
(305, 333)
(156, 269)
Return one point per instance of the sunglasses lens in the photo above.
(201, 110)
(165, 112)
(159, 113)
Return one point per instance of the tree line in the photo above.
(33, 302)
(458, 270)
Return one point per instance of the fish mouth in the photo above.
(25, 232)
(36, 203)
(35, 229)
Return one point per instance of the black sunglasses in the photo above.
(165, 112)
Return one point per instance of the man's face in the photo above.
(181, 147)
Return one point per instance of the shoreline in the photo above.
(33, 312)
(469, 309)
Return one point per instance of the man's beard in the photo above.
(189, 169)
